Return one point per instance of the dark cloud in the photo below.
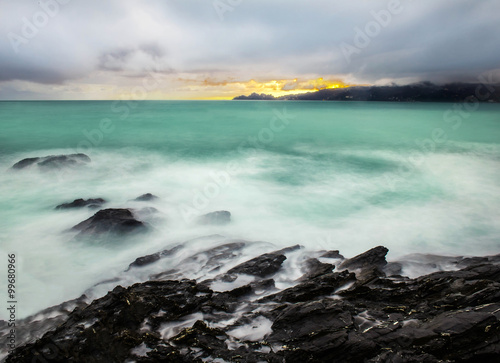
(10, 72)
(114, 60)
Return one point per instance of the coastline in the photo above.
(286, 305)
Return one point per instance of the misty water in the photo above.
(327, 175)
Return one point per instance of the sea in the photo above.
(348, 176)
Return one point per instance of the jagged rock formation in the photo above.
(339, 310)
(80, 203)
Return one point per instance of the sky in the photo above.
(219, 49)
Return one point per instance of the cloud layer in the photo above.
(201, 49)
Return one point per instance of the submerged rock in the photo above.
(53, 161)
(149, 259)
(146, 198)
(79, 203)
(119, 221)
(219, 217)
(204, 262)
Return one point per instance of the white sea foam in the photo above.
(256, 330)
(449, 205)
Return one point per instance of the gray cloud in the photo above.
(427, 40)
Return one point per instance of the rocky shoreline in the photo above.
(244, 301)
(360, 309)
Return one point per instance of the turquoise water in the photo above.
(336, 175)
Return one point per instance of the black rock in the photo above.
(311, 324)
(53, 161)
(79, 203)
(219, 217)
(35, 326)
(146, 198)
(262, 266)
(446, 316)
(117, 221)
(332, 254)
(206, 261)
(25, 162)
(371, 258)
(149, 259)
(109, 328)
(319, 286)
(316, 268)
(393, 269)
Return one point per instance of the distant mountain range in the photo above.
(418, 92)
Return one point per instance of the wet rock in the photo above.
(53, 161)
(149, 259)
(216, 218)
(118, 221)
(35, 326)
(146, 198)
(371, 258)
(262, 266)
(332, 254)
(204, 262)
(316, 268)
(319, 286)
(300, 320)
(214, 257)
(80, 203)
(393, 269)
(446, 316)
(109, 328)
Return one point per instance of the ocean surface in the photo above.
(327, 175)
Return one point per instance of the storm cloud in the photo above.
(94, 47)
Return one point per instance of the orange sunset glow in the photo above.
(216, 90)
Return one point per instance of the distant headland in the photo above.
(418, 92)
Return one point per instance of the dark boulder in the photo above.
(316, 268)
(217, 218)
(119, 221)
(25, 162)
(79, 203)
(146, 198)
(53, 161)
(262, 266)
(371, 258)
